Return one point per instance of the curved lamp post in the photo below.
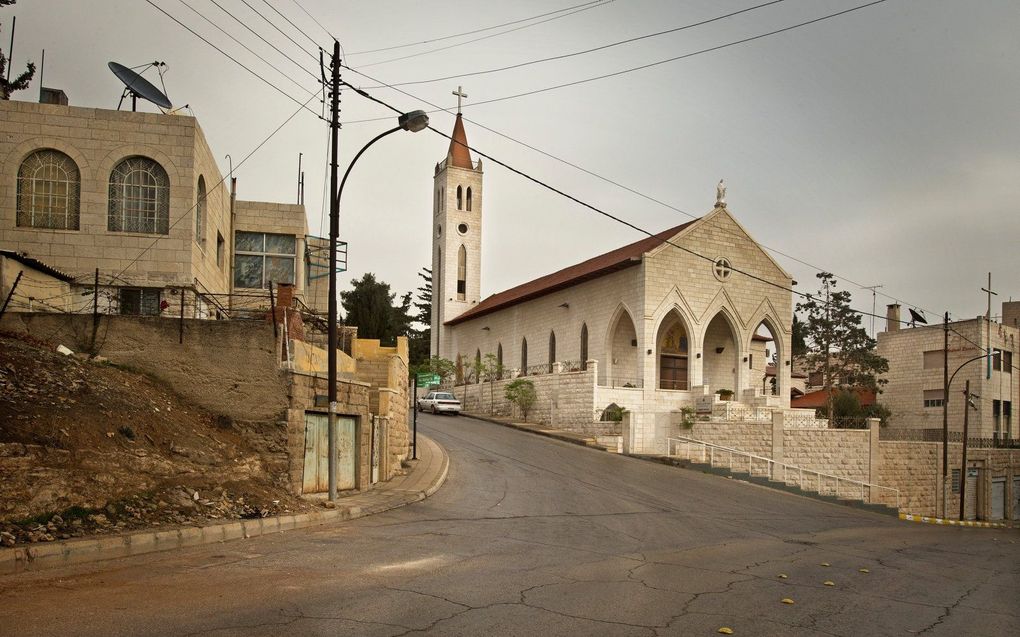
(945, 440)
(413, 121)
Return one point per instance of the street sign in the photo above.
(425, 379)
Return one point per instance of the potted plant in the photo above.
(725, 394)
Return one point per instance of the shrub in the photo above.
(521, 392)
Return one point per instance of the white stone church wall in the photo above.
(563, 399)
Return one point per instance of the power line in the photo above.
(235, 60)
(585, 51)
(652, 64)
(259, 36)
(485, 37)
(246, 47)
(472, 32)
(273, 24)
(300, 30)
(314, 19)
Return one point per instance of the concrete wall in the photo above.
(36, 291)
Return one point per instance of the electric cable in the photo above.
(281, 32)
(259, 36)
(583, 52)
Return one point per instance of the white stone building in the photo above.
(663, 322)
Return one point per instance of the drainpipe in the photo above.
(230, 244)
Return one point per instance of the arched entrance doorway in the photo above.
(672, 347)
(623, 354)
(720, 355)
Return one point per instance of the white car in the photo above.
(439, 402)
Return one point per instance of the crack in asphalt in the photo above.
(949, 609)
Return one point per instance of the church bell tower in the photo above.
(456, 237)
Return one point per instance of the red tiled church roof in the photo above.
(601, 265)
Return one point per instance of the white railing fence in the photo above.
(807, 479)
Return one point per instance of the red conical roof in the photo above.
(461, 157)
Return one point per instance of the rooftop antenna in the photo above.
(873, 306)
(137, 86)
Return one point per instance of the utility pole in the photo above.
(988, 326)
(945, 408)
(828, 376)
(11, 293)
(874, 307)
(334, 235)
(963, 463)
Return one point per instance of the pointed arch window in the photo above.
(49, 191)
(461, 273)
(478, 365)
(524, 357)
(139, 197)
(552, 350)
(200, 211)
(460, 198)
(469, 198)
(584, 346)
(499, 360)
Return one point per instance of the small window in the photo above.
(200, 211)
(261, 258)
(524, 357)
(139, 197)
(460, 198)
(722, 268)
(956, 481)
(220, 248)
(462, 228)
(469, 198)
(584, 346)
(49, 191)
(934, 398)
(140, 301)
(461, 273)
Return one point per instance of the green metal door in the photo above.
(316, 472)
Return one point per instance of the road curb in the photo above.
(944, 522)
(34, 557)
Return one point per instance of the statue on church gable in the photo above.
(720, 194)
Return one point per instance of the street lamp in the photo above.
(413, 121)
(945, 440)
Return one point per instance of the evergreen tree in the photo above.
(838, 344)
(19, 83)
(421, 336)
(369, 306)
(799, 343)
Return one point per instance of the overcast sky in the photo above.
(882, 145)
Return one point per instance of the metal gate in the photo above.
(316, 473)
(998, 498)
(1016, 498)
(971, 504)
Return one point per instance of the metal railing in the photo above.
(848, 422)
(710, 452)
(622, 382)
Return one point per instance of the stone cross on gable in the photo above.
(460, 94)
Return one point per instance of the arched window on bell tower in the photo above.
(469, 198)
(461, 273)
(460, 198)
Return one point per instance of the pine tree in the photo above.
(838, 344)
(421, 335)
(369, 306)
(19, 83)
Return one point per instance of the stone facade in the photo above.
(196, 252)
(915, 377)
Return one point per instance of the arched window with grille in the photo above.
(584, 346)
(49, 191)
(460, 198)
(524, 357)
(200, 211)
(461, 273)
(139, 197)
(469, 198)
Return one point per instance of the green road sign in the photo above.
(425, 379)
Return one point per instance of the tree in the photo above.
(19, 83)
(838, 344)
(420, 337)
(798, 342)
(444, 368)
(493, 370)
(369, 306)
(521, 392)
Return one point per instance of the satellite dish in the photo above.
(138, 86)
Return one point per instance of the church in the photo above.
(696, 314)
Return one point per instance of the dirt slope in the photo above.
(87, 447)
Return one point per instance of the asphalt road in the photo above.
(531, 536)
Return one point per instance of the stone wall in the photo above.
(563, 399)
(838, 452)
(754, 438)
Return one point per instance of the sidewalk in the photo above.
(423, 479)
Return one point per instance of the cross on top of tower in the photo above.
(460, 94)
